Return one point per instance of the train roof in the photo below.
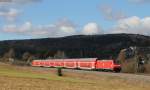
(79, 59)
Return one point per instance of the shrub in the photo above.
(129, 67)
(8, 56)
(60, 54)
(26, 56)
(59, 71)
(147, 68)
(19, 63)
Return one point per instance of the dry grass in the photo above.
(18, 78)
(147, 68)
(128, 67)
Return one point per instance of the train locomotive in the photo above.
(82, 63)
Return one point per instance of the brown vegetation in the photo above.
(129, 67)
(147, 68)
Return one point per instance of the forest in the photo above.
(104, 46)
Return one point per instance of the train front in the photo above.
(116, 66)
(108, 65)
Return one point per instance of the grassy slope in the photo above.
(18, 78)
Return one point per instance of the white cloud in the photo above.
(140, 1)
(67, 30)
(146, 22)
(111, 14)
(61, 28)
(26, 27)
(10, 28)
(133, 25)
(91, 29)
(10, 14)
(9, 8)
(8, 2)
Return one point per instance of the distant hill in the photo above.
(78, 46)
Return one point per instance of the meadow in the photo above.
(29, 78)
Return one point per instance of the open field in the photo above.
(32, 78)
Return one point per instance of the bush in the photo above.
(147, 68)
(59, 71)
(129, 67)
(133, 67)
(9, 55)
(26, 56)
(60, 55)
(19, 63)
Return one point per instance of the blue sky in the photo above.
(57, 18)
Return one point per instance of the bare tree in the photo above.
(9, 56)
(60, 54)
(26, 56)
(30, 59)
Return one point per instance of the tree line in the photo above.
(27, 57)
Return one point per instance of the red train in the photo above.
(83, 63)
